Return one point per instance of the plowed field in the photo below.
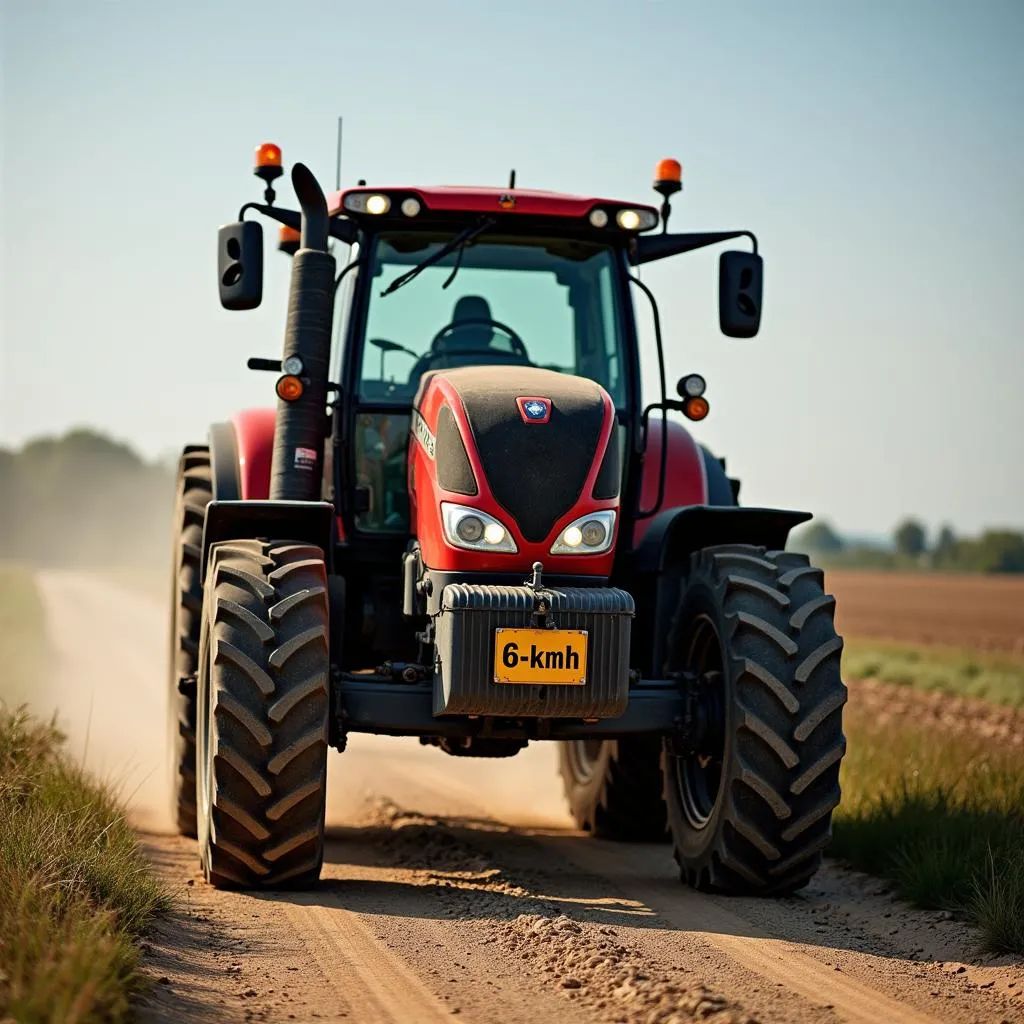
(982, 612)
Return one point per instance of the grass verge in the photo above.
(942, 817)
(996, 678)
(74, 888)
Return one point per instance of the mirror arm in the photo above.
(290, 218)
(343, 230)
(648, 248)
(259, 363)
(751, 236)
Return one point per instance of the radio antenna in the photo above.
(337, 163)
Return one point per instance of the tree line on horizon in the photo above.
(992, 551)
(86, 499)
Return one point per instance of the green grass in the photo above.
(74, 888)
(75, 891)
(24, 655)
(996, 678)
(943, 818)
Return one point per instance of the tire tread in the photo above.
(268, 628)
(785, 693)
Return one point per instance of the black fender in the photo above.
(309, 521)
(224, 463)
(659, 562)
(677, 532)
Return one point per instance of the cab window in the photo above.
(508, 301)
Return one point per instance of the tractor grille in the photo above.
(465, 629)
(536, 472)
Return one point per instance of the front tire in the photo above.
(263, 715)
(614, 787)
(750, 810)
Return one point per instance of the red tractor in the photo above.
(461, 523)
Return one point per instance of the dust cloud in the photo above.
(109, 689)
(94, 521)
(108, 686)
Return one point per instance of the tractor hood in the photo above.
(535, 448)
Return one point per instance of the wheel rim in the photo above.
(699, 773)
(584, 757)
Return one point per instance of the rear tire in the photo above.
(751, 813)
(614, 787)
(194, 492)
(263, 715)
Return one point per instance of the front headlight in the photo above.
(588, 535)
(474, 530)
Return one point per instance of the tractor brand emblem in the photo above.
(423, 434)
(507, 201)
(534, 410)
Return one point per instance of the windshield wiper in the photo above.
(458, 243)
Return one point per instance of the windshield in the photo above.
(513, 301)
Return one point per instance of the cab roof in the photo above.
(476, 199)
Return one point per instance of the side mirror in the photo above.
(740, 287)
(240, 264)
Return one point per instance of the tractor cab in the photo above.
(429, 295)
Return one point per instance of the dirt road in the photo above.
(458, 887)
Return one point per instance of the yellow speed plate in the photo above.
(552, 657)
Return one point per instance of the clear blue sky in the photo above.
(876, 148)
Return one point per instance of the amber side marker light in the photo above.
(696, 408)
(289, 387)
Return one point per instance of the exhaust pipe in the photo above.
(296, 468)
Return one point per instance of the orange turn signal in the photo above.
(696, 408)
(288, 240)
(289, 387)
(268, 155)
(668, 171)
